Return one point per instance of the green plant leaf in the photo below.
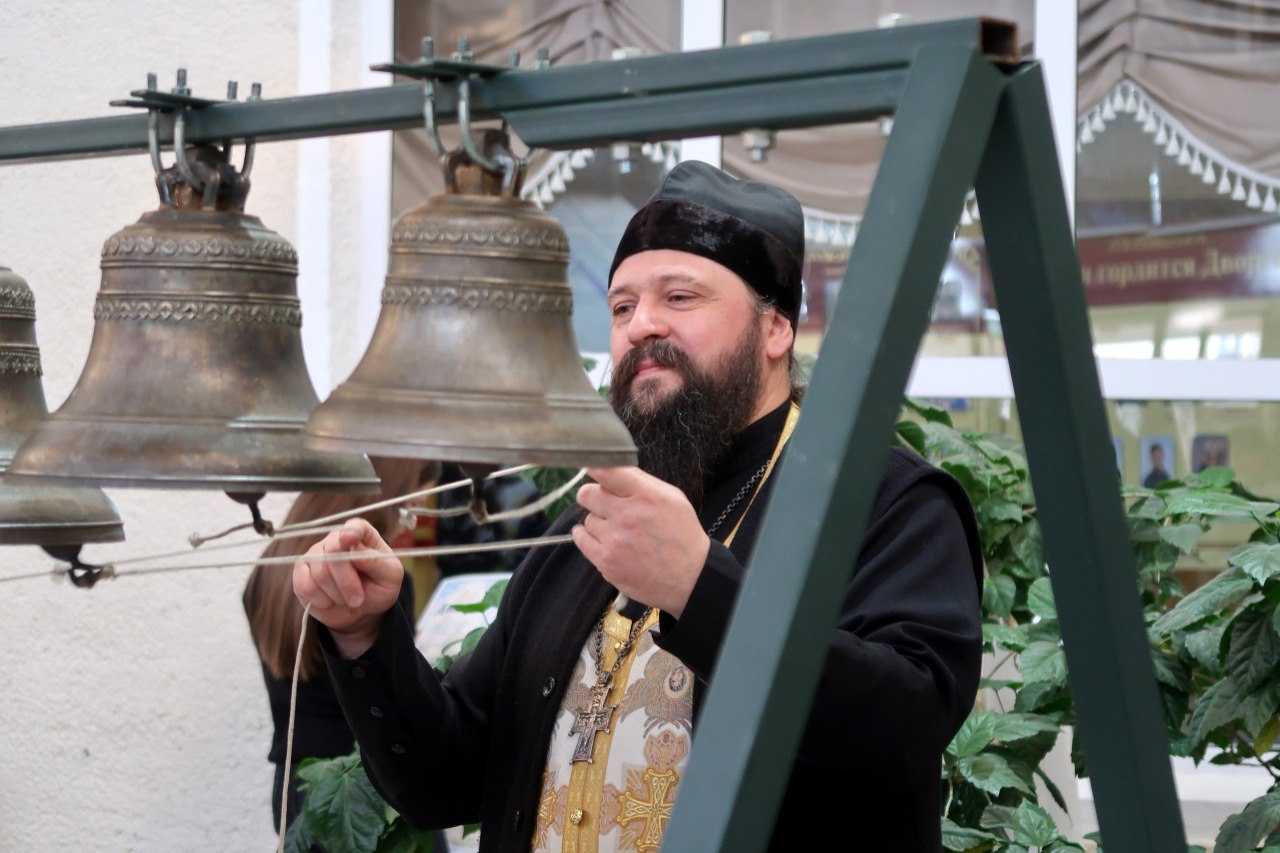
(1243, 831)
(996, 816)
(1028, 547)
(998, 594)
(1253, 650)
(1038, 697)
(1043, 661)
(469, 641)
(343, 810)
(402, 838)
(964, 838)
(1267, 735)
(1040, 599)
(493, 595)
(1006, 636)
(991, 773)
(1184, 536)
(299, 838)
(1217, 505)
(1171, 671)
(1258, 560)
(1032, 825)
(974, 735)
(911, 434)
(996, 509)
(1053, 789)
(1015, 727)
(972, 485)
(1261, 705)
(470, 607)
(1205, 645)
(932, 414)
(1218, 594)
(1217, 477)
(1220, 704)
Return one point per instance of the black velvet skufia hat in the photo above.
(755, 230)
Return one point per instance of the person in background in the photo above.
(275, 620)
(1159, 473)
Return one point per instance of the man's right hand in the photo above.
(349, 596)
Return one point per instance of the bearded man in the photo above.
(570, 724)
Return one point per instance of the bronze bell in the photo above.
(473, 358)
(37, 514)
(195, 377)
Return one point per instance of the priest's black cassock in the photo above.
(900, 676)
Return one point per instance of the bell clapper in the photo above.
(478, 473)
(82, 574)
(260, 525)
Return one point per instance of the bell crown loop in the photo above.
(465, 174)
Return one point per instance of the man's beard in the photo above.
(682, 434)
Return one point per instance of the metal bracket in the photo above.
(460, 65)
(178, 98)
(179, 102)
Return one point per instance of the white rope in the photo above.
(432, 551)
(528, 509)
(289, 531)
(197, 539)
(288, 744)
(294, 534)
(541, 503)
(434, 490)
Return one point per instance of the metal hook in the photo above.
(246, 166)
(153, 140)
(464, 125)
(429, 116)
(180, 151)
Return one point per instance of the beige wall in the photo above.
(132, 716)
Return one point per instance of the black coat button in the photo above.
(397, 749)
(549, 687)
(357, 672)
(516, 820)
(376, 711)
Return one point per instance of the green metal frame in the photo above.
(961, 120)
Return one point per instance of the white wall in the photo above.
(132, 716)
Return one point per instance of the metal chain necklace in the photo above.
(595, 717)
(737, 499)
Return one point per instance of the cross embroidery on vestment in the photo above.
(654, 810)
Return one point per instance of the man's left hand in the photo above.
(643, 536)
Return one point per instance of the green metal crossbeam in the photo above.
(579, 102)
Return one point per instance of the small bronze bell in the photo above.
(473, 358)
(37, 514)
(195, 377)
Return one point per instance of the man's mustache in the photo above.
(661, 353)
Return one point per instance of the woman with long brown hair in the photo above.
(275, 620)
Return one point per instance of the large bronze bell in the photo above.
(473, 358)
(195, 376)
(37, 514)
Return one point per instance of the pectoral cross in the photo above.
(593, 719)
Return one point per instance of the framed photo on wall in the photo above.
(1156, 464)
(1210, 451)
